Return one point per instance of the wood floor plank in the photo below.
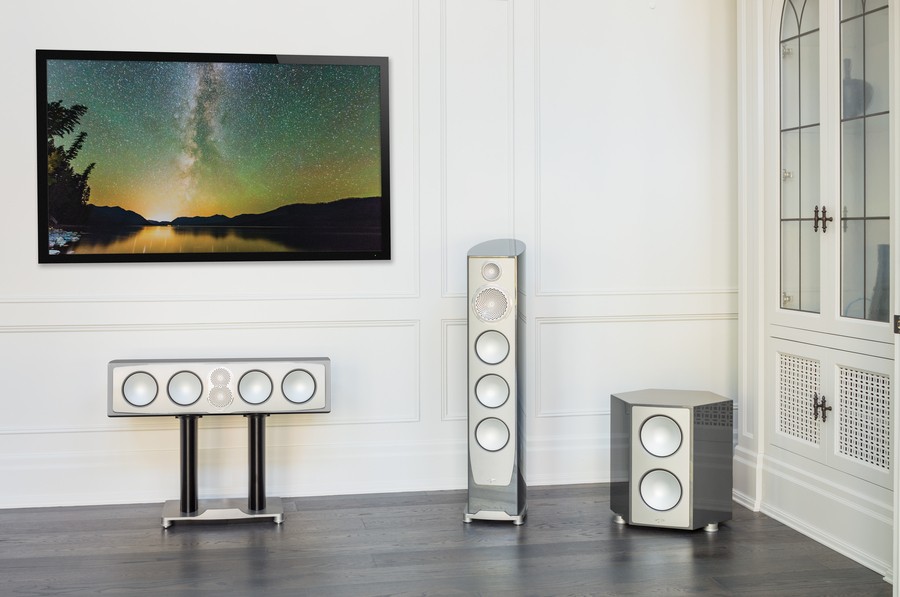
(415, 544)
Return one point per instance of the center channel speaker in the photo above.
(671, 458)
(496, 439)
(219, 387)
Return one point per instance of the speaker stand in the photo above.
(497, 515)
(257, 506)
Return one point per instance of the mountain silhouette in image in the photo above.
(354, 212)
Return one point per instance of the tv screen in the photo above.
(148, 157)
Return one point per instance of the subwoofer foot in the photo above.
(619, 520)
(712, 527)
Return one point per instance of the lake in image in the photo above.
(206, 239)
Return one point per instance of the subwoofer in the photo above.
(218, 387)
(671, 458)
(496, 439)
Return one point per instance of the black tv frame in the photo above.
(380, 252)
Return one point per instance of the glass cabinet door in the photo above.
(849, 213)
(865, 206)
(800, 253)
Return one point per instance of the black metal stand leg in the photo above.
(189, 508)
(189, 502)
(256, 428)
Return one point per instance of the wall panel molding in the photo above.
(141, 476)
(571, 369)
(454, 392)
(400, 278)
(483, 226)
(368, 386)
(591, 169)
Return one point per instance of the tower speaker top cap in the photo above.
(501, 247)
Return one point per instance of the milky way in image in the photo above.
(186, 138)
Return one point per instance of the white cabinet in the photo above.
(829, 349)
(833, 407)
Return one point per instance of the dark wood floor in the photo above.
(414, 544)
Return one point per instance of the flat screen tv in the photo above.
(150, 157)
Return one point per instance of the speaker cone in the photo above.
(220, 377)
(220, 397)
(660, 490)
(490, 271)
(490, 303)
(492, 347)
(140, 388)
(492, 434)
(255, 387)
(298, 386)
(185, 388)
(661, 436)
(492, 391)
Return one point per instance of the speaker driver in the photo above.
(490, 303)
(220, 397)
(185, 388)
(660, 490)
(661, 436)
(492, 391)
(298, 386)
(140, 388)
(492, 347)
(220, 377)
(490, 271)
(255, 387)
(492, 434)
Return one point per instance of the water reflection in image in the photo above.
(174, 240)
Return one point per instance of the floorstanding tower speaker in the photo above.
(670, 458)
(495, 405)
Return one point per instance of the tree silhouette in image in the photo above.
(68, 190)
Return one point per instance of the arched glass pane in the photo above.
(799, 48)
(851, 8)
(809, 18)
(789, 20)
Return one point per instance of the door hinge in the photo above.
(897, 324)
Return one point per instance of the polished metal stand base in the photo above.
(222, 510)
(712, 527)
(499, 515)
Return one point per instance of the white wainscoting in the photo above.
(600, 133)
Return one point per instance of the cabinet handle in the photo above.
(824, 218)
(819, 406)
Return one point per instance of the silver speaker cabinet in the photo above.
(190, 389)
(496, 439)
(671, 458)
(218, 387)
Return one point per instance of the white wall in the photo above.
(603, 134)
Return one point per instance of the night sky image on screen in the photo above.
(214, 157)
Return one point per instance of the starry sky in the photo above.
(180, 139)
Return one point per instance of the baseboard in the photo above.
(841, 517)
(746, 490)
